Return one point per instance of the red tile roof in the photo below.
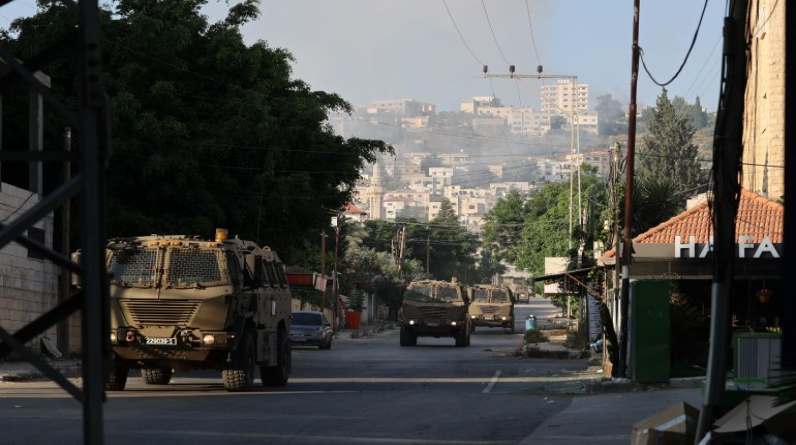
(351, 209)
(757, 217)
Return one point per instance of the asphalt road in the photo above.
(362, 391)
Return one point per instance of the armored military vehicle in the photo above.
(434, 309)
(491, 306)
(184, 303)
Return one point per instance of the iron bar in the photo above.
(38, 87)
(41, 365)
(16, 228)
(45, 321)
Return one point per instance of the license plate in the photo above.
(158, 341)
(298, 339)
(432, 323)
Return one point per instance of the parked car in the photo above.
(310, 328)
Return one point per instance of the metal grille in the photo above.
(433, 311)
(160, 312)
(191, 267)
(133, 267)
(489, 309)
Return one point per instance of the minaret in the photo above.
(375, 194)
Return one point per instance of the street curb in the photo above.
(67, 369)
(612, 386)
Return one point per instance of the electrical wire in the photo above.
(486, 14)
(687, 54)
(533, 40)
(461, 37)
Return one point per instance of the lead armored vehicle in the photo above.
(491, 306)
(184, 303)
(434, 309)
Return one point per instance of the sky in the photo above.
(368, 50)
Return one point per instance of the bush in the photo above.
(535, 336)
(578, 339)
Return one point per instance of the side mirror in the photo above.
(76, 280)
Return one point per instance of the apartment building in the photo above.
(600, 159)
(565, 97)
(474, 104)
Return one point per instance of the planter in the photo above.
(353, 319)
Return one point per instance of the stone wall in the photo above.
(28, 286)
(764, 114)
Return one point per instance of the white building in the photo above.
(564, 97)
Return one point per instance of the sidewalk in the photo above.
(606, 419)
(25, 372)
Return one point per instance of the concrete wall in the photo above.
(28, 286)
(764, 113)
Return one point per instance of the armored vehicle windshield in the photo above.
(421, 294)
(499, 296)
(446, 294)
(480, 295)
(185, 267)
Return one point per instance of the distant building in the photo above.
(402, 207)
(600, 159)
(586, 120)
(373, 195)
(353, 213)
(473, 104)
(415, 123)
(404, 107)
(491, 126)
(564, 97)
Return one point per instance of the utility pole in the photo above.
(402, 246)
(616, 179)
(727, 152)
(323, 267)
(574, 130)
(335, 283)
(428, 253)
(629, 172)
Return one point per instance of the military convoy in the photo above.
(184, 303)
(434, 309)
(491, 306)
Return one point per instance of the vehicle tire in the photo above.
(510, 329)
(472, 327)
(240, 376)
(117, 377)
(408, 338)
(327, 343)
(278, 375)
(462, 337)
(156, 376)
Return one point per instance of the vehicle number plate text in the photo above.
(159, 341)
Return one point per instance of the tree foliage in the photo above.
(207, 130)
(523, 231)
(667, 151)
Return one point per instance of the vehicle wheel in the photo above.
(117, 377)
(156, 376)
(327, 343)
(408, 338)
(240, 377)
(472, 327)
(509, 330)
(461, 338)
(279, 374)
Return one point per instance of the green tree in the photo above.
(503, 227)
(667, 151)
(207, 130)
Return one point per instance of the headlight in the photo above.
(472, 316)
(411, 322)
(113, 337)
(453, 323)
(503, 318)
(209, 339)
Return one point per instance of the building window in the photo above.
(37, 235)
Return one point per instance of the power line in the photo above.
(682, 65)
(533, 40)
(486, 14)
(461, 37)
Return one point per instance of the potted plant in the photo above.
(353, 315)
(764, 295)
